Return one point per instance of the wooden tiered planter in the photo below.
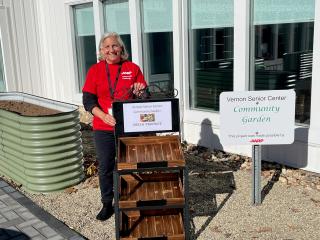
(151, 191)
(150, 181)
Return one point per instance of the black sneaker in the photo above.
(105, 212)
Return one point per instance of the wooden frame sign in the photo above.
(146, 116)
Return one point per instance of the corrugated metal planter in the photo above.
(43, 153)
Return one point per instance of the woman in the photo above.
(114, 77)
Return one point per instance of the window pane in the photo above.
(211, 14)
(283, 11)
(158, 43)
(2, 75)
(211, 52)
(157, 15)
(84, 39)
(284, 49)
(116, 19)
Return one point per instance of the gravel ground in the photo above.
(220, 200)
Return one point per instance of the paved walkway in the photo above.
(21, 219)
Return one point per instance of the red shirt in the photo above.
(97, 83)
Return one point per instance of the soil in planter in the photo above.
(26, 109)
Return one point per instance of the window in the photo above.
(284, 49)
(2, 75)
(158, 43)
(211, 51)
(84, 40)
(116, 19)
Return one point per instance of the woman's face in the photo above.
(111, 50)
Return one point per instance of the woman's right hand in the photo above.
(105, 117)
(108, 119)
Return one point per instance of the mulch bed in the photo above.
(204, 159)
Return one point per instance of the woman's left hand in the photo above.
(137, 87)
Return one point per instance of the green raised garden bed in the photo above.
(40, 142)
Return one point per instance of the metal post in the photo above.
(256, 171)
(186, 204)
(116, 203)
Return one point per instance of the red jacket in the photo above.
(97, 83)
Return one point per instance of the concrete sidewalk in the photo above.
(21, 219)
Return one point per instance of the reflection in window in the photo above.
(84, 40)
(283, 49)
(211, 52)
(116, 19)
(2, 76)
(158, 43)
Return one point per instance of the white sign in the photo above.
(257, 117)
(147, 116)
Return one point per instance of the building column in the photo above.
(135, 30)
(241, 69)
(314, 136)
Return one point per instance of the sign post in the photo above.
(256, 173)
(257, 118)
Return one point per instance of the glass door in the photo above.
(84, 40)
(211, 51)
(116, 19)
(284, 49)
(158, 43)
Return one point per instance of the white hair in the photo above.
(124, 52)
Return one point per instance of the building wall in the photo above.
(40, 48)
(55, 52)
(23, 45)
(43, 63)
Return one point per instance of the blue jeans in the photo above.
(106, 152)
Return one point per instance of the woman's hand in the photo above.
(137, 88)
(108, 119)
(105, 117)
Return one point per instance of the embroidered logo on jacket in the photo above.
(126, 75)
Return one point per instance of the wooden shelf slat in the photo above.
(153, 223)
(133, 150)
(165, 187)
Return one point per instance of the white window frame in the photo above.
(135, 31)
(176, 22)
(7, 50)
(178, 37)
(195, 116)
(98, 28)
(314, 128)
(136, 39)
